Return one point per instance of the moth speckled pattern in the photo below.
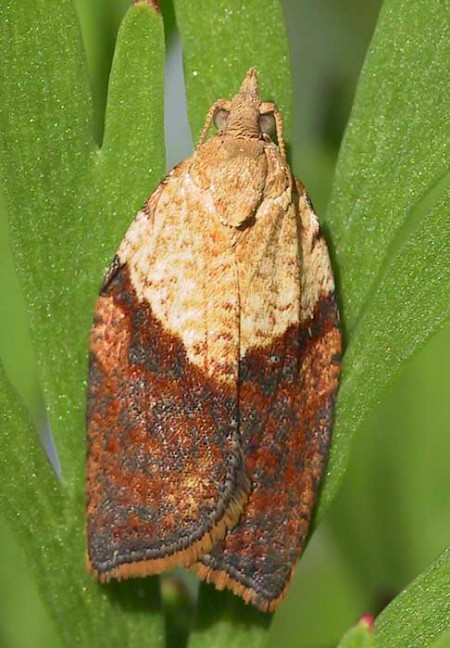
(215, 361)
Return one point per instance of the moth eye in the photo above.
(267, 124)
(221, 118)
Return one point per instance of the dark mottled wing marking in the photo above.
(166, 475)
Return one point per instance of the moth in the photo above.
(214, 363)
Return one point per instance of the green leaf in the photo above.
(26, 476)
(396, 148)
(443, 641)
(78, 202)
(16, 351)
(421, 613)
(389, 212)
(20, 599)
(133, 150)
(69, 205)
(387, 541)
(99, 23)
(46, 144)
(360, 636)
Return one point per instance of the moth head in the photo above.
(245, 115)
(266, 122)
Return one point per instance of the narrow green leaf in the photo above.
(421, 613)
(31, 499)
(16, 351)
(397, 144)
(443, 641)
(389, 212)
(67, 231)
(68, 213)
(45, 147)
(133, 149)
(99, 22)
(20, 599)
(410, 303)
(42, 61)
(26, 475)
(360, 636)
(221, 41)
(385, 540)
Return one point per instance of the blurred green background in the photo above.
(390, 519)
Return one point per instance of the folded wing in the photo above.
(166, 476)
(289, 372)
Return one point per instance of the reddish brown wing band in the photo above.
(165, 468)
(286, 396)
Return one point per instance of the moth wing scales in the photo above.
(166, 476)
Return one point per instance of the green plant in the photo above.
(69, 203)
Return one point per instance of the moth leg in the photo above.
(220, 103)
(268, 107)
